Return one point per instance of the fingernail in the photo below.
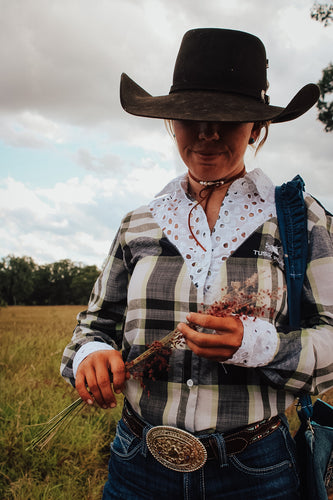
(90, 402)
(113, 405)
(118, 391)
(105, 407)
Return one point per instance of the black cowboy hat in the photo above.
(219, 75)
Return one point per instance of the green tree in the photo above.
(16, 278)
(323, 12)
(325, 106)
(24, 282)
(61, 275)
(42, 284)
(82, 283)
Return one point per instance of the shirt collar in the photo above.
(261, 181)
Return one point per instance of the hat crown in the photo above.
(214, 59)
(219, 75)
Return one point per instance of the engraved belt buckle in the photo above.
(176, 449)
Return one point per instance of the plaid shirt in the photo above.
(145, 290)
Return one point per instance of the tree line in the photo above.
(23, 282)
(323, 12)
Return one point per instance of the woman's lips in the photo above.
(207, 152)
(208, 155)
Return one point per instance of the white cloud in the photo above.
(17, 196)
(71, 192)
(105, 164)
(149, 179)
(31, 130)
(297, 33)
(41, 126)
(75, 219)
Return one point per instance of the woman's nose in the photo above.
(209, 131)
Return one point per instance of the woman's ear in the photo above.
(255, 132)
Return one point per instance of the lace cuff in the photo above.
(87, 349)
(259, 345)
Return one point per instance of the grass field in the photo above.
(74, 465)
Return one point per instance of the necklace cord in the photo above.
(208, 186)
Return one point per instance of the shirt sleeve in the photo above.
(87, 349)
(303, 361)
(102, 322)
(259, 344)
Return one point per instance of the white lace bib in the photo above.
(248, 203)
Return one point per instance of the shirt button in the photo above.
(189, 382)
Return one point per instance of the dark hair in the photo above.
(261, 125)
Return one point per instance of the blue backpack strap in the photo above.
(305, 408)
(292, 219)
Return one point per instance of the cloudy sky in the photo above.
(72, 162)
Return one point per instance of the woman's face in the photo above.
(213, 150)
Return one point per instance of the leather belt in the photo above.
(235, 442)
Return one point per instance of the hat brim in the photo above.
(203, 105)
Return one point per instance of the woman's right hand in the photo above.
(103, 372)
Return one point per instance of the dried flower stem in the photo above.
(157, 345)
(63, 418)
(52, 426)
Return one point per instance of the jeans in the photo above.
(264, 470)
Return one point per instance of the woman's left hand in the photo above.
(218, 346)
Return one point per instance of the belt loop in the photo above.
(144, 447)
(223, 459)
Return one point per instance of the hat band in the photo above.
(258, 95)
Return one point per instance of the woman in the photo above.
(210, 237)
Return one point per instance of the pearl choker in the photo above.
(218, 182)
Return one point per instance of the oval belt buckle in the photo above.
(176, 449)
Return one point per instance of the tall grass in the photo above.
(74, 465)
